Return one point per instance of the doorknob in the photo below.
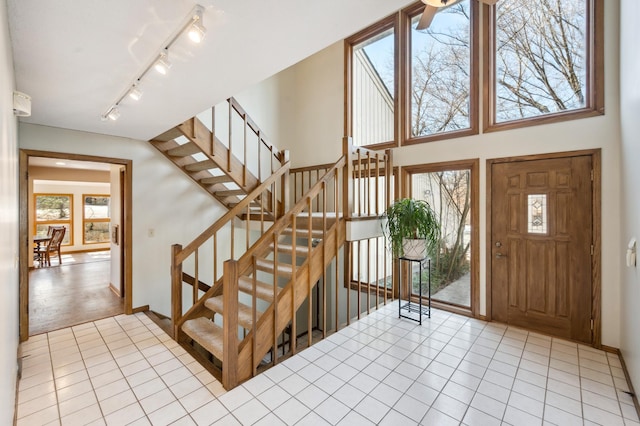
(500, 255)
(498, 244)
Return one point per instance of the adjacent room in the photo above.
(71, 276)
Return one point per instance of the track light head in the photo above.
(113, 114)
(197, 31)
(163, 64)
(192, 25)
(135, 93)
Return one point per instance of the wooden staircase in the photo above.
(242, 317)
(200, 154)
(251, 271)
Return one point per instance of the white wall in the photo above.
(165, 201)
(8, 227)
(314, 90)
(630, 211)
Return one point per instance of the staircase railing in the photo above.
(303, 178)
(367, 193)
(369, 189)
(324, 234)
(257, 219)
(244, 140)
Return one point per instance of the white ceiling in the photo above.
(76, 57)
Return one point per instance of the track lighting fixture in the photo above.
(135, 93)
(112, 114)
(192, 25)
(197, 31)
(163, 63)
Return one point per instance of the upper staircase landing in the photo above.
(215, 166)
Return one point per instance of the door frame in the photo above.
(596, 258)
(24, 225)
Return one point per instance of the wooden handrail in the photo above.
(366, 166)
(329, 190)
(188, 279)
(245, 351)
(234, 212)
(180, 254)
(244, 262)
(252, 125)
(312, 168)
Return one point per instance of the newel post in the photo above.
(230, 325)
(347, 180)
(285, 195)
(176, 289)
(388, 173)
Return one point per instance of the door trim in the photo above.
(596, 261)
(24, 249)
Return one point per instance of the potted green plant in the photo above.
(411, 228)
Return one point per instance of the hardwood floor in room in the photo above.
(73, 293)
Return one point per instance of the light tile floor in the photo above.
(380, 370)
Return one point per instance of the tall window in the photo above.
(54, 210)
(451, 190)
(440, 91)
(373, 80)
(543, 62)
(96, 216)
(540, 58)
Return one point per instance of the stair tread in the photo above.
(184, 150)
(303, 233)
(264, 291)
(268, 266)
(230, 192)
(245, 314)
(206, 333)
(301, 249)
(215, 179)
(252, 205)
(170, 134)
(200, 165)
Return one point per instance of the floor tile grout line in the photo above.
(397, 362)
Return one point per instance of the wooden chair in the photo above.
(53, 246)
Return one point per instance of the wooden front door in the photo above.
(541, 245)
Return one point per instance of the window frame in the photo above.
(100, 220)
(390, 22)
(68, 222)
(406, 85)
(473, 165)
(594, 99)
(482, 85)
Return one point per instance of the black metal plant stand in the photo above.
(409, 306)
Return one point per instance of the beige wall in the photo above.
(630, 211)
(8, 227)
(312, 98)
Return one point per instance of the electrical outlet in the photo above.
(151, 232)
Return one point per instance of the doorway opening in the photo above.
(90, 198)
(543, 243)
